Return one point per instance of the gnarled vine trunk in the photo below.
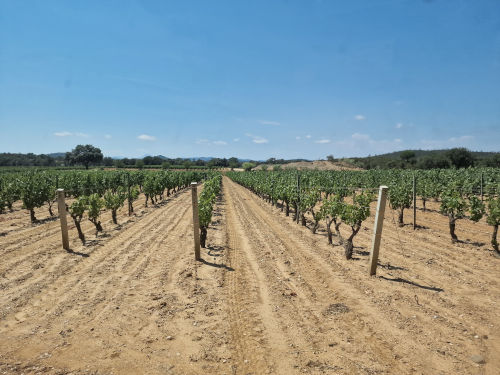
(400, 218)
(203, 237)
(337, 230)
(32, 215)
(113, 216)
(348, 244)
(98, 226)
(79, 228)
(453, 221)
(329, 230)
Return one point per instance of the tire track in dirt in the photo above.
(254, 329)
(315, 285)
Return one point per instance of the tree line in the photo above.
(88, 155)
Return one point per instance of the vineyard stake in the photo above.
(196, 220)
(61, 207)
(377, 230)
(414, 202)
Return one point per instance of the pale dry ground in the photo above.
(270, 297)
(321, 165)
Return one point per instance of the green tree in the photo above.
(330, 158)
(460, 157)
(407, 156)
(233, 162)
(139, 163)
(247, 166)
(107, 161)
(85, 155)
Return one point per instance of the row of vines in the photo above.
(206, 202)
(343, 197)
(91, 192)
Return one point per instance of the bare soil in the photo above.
(321, 165)
(269, 297)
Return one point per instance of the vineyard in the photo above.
(282, 286)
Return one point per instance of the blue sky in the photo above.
(253, 79)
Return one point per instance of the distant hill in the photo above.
(57, 155)
(423, 159)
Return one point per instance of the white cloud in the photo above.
(273, 123)
(257, 139)
(260, 140)
(399, 125)
(70, 134)
(359, 117)
(236, 140)
(63, 134)
(322, 141)
(297, 137)
(145, 137)
(208, 142)
(107, 136)
(308, 136)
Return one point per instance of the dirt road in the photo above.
(269, 297)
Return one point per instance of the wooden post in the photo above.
(196, 220)
(61, 207)
(414, 202)
(377, 230)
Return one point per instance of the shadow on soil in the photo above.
(216, 265)
(473, 243)
(389, 266)
(404, 281)
(215, 251)
(70, 251)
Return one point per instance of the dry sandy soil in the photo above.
(269, 297)
(322, 165)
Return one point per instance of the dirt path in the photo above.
(269, 297)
